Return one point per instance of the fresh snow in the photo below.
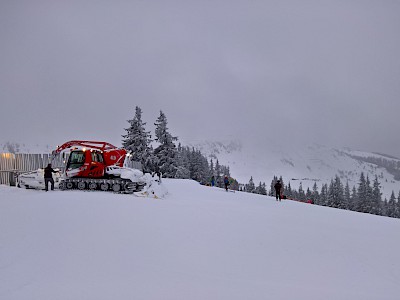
(195, 243)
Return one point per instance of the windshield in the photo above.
(76, 159)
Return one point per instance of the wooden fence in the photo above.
(12, 164)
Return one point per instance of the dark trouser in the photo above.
(226, 186)
(46, 183)
(278, 194)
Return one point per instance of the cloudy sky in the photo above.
(275, 71)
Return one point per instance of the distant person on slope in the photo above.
(213, 180)
(48, 177)
(278, 190)
(226, 182)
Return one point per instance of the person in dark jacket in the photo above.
(212, 180)
(226, 182)
(48, 177)
(278, 190)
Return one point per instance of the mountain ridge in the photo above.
(307, 164)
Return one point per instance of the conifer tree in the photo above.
(314, 194)
(137, 140)
(272, 188)
(234, 185)
(301, 195)
(183, 163)
(288, 191)
(376, 199)
(166, 152)
(361, 194)
(261, 189)
(398, 206)
(391, 206)
(337, 194)
(308, 194)
(283, 189)
(384, 208)
(212, 171)
(368, 205)
(323, 197)
(250, 187)
(218, 178)
(347, 196)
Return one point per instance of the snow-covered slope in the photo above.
(196, 243)
(305, 164)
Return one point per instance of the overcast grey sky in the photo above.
(288, 71)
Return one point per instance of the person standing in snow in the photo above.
(278, 190)
(213, 180)
(226, 182)
(48, 177)
(159, 176)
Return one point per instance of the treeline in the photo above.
(366, 197)
(170, 160)
(392, 166)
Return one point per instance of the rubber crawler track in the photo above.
(117, 185)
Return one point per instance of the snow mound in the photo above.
(153, 189)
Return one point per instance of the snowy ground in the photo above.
(196, 243)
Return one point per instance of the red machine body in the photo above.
(89, 159)
(96, 165)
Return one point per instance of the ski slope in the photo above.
(195, 243)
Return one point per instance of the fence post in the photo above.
(11, 178)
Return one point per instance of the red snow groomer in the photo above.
(97, 165)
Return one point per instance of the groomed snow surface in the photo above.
(196, 243)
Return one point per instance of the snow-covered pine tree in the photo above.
(212, 170)
(288, 191)
(250, 187)
(323, 196)
(225, 170)
(166, 153)
(183, 171)
(398, 206)
(368, 197)
(347, 196)
(199, 168)
(308, 193)
(301, 195)
(391, 206)
(336, 194)
(353, 199)
(314, 195)
(385, 208)
(218, 178)
(162, 134)
(261, 189)
(283, 183)
(376, 201)
(272, 188)
(206, 174)
(137, 140)
(361, 194)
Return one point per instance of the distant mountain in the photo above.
(305, 164)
